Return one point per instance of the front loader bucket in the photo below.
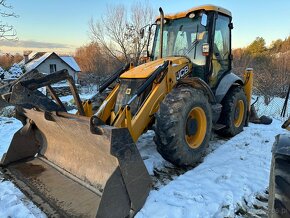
(70, 169)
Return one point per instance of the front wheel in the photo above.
(183, 126)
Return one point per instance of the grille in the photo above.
(128, 88)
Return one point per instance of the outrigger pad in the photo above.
(106, 170)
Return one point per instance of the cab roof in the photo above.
(198, 8)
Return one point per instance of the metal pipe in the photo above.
(55, 77)
(56, 98)
(161, 32)
(149, 81)
(285, 103)
(113, 77)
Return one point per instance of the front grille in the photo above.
(128, 88)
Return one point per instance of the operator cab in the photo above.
(203, 35)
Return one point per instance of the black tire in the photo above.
(279, 187)
(172, 121)
(229, 112)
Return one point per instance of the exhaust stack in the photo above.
(161, 32)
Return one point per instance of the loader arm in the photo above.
(25, 93)
(163, 80)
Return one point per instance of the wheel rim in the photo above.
(195, 127)
(239, 113)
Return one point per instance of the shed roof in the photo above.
(71, 62)
(36, 58)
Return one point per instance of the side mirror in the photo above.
(205, 49)
(141, 33)
(203, 19)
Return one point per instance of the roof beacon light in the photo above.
(191, 15)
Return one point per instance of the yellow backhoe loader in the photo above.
(88, 164)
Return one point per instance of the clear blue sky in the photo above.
(45, 24)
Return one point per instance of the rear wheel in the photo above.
(183, 126)
(234, 111)
(279, 187)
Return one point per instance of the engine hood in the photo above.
(145, 70)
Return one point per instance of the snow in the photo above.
(273, 109)
(30, 56)
(35, 62)
(13, 203)
(235, 170)
(69, 98)
(71, 62)
(60, 84)
(8, 126)
(14, 72)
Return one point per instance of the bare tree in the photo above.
(118, 31)
(88, 57)
(7, 60)
(96, 65)
(6, 31)
(271, 67)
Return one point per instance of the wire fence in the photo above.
(272, 107)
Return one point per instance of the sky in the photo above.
(62, 25)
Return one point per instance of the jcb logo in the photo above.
(182, 73)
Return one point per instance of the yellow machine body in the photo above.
(95, 151)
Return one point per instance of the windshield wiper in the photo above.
(193, 44)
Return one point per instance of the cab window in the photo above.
(221, 49)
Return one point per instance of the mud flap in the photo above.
(74, 171)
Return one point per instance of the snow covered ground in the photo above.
(234, 171)
(13, 203)
(14, 72)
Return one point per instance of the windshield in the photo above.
(183, 36)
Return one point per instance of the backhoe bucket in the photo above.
(73, 167)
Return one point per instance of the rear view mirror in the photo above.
(141, 33)
(203, 19)
(205, 49)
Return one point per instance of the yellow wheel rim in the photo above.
(195, 127)
(239, 113)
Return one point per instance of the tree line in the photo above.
(271, 66)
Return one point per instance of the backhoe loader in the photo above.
(87, 164)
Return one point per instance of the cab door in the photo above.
(221, 56)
